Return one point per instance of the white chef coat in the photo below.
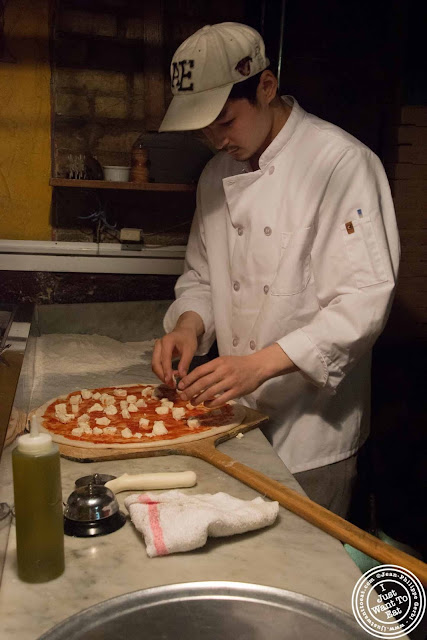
(303, 252)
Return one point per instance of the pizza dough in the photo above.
(130, 410)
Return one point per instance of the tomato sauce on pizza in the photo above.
(129, 414)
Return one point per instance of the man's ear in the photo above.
(267, 87)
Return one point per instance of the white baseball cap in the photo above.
(204, 69)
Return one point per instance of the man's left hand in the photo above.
(229, 377)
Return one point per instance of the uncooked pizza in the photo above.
(132, 416)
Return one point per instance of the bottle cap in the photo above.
(35, 443)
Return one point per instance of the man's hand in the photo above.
(181, 342)
(229, 377)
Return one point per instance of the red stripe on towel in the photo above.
(156, 527)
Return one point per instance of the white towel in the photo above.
(172, 521)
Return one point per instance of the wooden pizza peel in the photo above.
(205, 449)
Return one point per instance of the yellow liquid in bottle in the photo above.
(39, 515)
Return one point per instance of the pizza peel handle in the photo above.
(307, 509)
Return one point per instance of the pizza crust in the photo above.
(237, 418)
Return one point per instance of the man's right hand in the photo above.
(182, 343)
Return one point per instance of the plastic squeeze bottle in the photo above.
(38, 507)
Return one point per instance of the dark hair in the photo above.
(246, 89)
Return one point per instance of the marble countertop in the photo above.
(291, 554)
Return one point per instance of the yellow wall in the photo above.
(25, 195)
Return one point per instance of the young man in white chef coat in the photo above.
(291, 261)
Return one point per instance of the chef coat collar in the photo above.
(285, 134)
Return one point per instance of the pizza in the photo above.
(132, 416)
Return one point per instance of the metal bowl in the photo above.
(209, 611)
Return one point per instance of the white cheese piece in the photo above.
(193, 423)
(137, 435)
(144, 422)
(147, 391)
(65, 417)
(110, 410)
(189, 405)
(125, 413)
(123, 404)
(77, 431)
(96, 395)
(140, 403)
(127, 433)
(178, 413)
(162, 411)
(97, 431)
(159, 428)
(131, 399)
(106, 399)
(86, 394)
(239, 436)
(132, 408)
(149, 435)
(83, 418)
(75, 399)
(60, 408)
(166, 403)
(109, 431)
(85, 428)
(103, 421)
(120, 393)
(96, 407)
(75, 408)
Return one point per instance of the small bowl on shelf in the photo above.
(115, 173)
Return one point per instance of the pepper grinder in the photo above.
(139, 162)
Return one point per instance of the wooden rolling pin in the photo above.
(312, 512)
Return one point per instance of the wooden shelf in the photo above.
(130, 186)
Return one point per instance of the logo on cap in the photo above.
(244, 66)
(181, 75)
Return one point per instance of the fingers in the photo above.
(156, 361)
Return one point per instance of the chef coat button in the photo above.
(235, 342)
(236, 286)
(266, 288)
(240, 231)
(271, 170)
(252, 345)
(267, 231)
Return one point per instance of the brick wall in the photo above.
(111, 70)
(406, 165)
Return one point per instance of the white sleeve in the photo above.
(354, 259)
(192, 289)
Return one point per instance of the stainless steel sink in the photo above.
(209, 611)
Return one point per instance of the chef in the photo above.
(291, 262)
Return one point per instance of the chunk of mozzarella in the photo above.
(178, 413)
(159, 428)
(109, 431)
(86, 394)
(162, 411)
(193, 423)
(96, 407)
(120, 393)
(75, 399)
(132, 408)
(127, 433)
(125, 414)
(144, 422)
(110, 410)
(131, 399)
(103, 421)
(140, 403)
